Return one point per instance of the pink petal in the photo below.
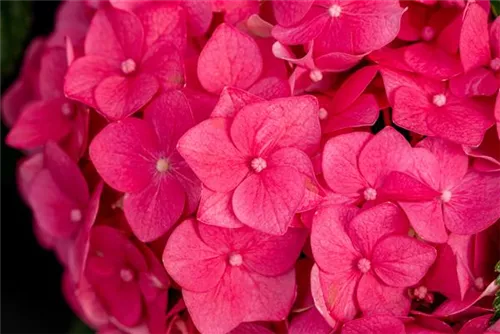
(474, 205)
(115, 34)
(387, 151)
(38, 123)
(26, 171)
(318, 297)
(250, 328)
(85, 74)
(310, 321)
(370, 225)
(231, 101)
(477, 325)
(271, 88)
(474, 38)
(427, 219)
(494, 39)
(124, 154)
(337, 61)
(431, 62)
(188, 180)
(223, 308)
(374, 297)
(154, 210)
(230, 58)
(404, 187)
(209, 151)
(410, 110)
(216, 209)
(402, 261)
(118, 97)
(164, 62)
(288, 13)
(14, 99)
(375, 325)
(199, 15)
(340, 162)
(307, 30)
(287, 122)
(190, 262)
(123, 300)
(354, 86)
(339, 290)
(477, 82)
(53, 67)
(268, 200)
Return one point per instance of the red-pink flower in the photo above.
(258, 159)
(380, 324)
(356, 164)
(221, 270)
(366, 260)
(443, 194)
(138, 157)
(127, 60)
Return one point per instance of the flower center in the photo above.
(66, 109)
(316, 75)
(128, 66)
(162, 165)
(446, 196)
(335, 11)
(420, 292)
(258, 164)
(75, 215)
(323, 114)
(235, 260)
(495, 64)
(439, 100)
(364, 265)
(370, 194)
(126, 275)
(427, 33)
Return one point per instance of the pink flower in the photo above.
(309, 321)
(125, 64)
(443, 194)
(138, 157)
(220, 270)
(331, 23)
(380, 324)
(366, 260)
(258, 159)
(356, 164)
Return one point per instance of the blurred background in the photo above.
(31, 298)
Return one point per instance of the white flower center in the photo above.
(446, 196)
(162, 165)
(370, 194)
(364, 265)
(439, 100)
(235, 260)
(335, 11)
(420, 292)
(128, 66)
(75, 215)
(323, 114)
(126, 275)
(428, 33)
(316, 75)
(258, 164)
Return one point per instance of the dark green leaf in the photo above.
(495, 7)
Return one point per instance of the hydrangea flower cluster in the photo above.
(244, 166)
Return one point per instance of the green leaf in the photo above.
(15, 26)
(78, 327)
(495, 7)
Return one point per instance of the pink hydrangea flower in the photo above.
(356, 164)
(138, 157)
(136, 62)
(220, 270)
(366, 260)
(443, 194)
(257, 160)
(380, 324)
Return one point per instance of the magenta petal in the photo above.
(404, 187)
(154, 210)
(427, 219)
(310, 321)
(124, 154)
(216, 209)
(474, 38)
(230, 58)
(402, 261)
(375, 325)
(271, 88)
(374, 297)
(477, 82)
(340, 162)
(164, 62)
(118, 97)
(307, 30)
(38, 123)
(339, 290)
(362, 112)
(318, 297)
(199, 13)
(410, 110)
(267, 201)
(123, 300)
(231, 101)
(209, 151)
(190, 262)
(288, 13)
(337, 61)
(474, 204)
(372, 224)
(354, 86)
(53, 67)
(431, 61)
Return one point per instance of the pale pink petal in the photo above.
(190, 262)
(340, 162)
(402, 261)
(375, 325)
(474, 38)
(153, 211)
(216, 209)
(209, 151)
(230, 58)
(374, 297)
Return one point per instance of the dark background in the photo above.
(31, 297)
